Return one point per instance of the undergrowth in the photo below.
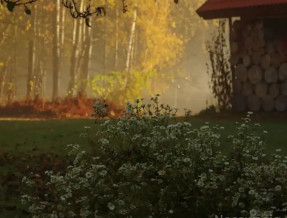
(144, 165)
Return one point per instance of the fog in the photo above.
(187, 88)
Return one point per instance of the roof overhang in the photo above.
(213, 9)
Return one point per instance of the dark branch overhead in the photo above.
(213, 9)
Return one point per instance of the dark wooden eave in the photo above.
(213, 9)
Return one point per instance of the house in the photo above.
(258, 48)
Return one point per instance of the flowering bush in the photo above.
(147, 165)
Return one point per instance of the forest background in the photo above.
(155, 47)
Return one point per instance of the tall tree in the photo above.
(56, 50)
(74, 57)
(31, 59)
(86, 61)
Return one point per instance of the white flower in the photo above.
(89, 174)
(186, 160)
(255, 158)
(204, 127)
(278, 188)
(121, 202)
(241, 189)
(253, 212)
(241, 204)
(103, 173)
(111, 206)
(161, 172)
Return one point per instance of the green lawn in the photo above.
(27, 146)
(44, 135)
(53, 135)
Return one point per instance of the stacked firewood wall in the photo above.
(260, 68)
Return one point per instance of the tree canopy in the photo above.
(90, 8)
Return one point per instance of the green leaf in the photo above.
(11, 6)
(27, 10)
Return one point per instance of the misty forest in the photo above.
(49, 55)
(143, 108)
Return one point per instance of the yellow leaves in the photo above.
(1, 64)
(28, 26)
(173, 24)
(121, 87)
(31, 83)
(162, 46)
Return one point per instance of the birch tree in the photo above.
(56, 50)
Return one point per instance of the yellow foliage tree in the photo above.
(146, 40)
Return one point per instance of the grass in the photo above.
(27, 146)
(44, 136)
(23, 142)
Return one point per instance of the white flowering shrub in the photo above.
(147, 165)
(100, 109)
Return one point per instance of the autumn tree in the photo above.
(146, 44)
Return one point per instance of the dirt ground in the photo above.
(68, 108)
(81, 107)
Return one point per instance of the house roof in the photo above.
(212, 9)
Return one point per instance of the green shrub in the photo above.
(146, 165)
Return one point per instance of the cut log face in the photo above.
(257, 46)
(259, 59)
(261, 89)
(270, 49)
(246, 60)
(236, 25)
(234, 59)
(277, 46)
(237, 86)
(261, 51)
(268, 103)
(233, 36)
(254, 103)
(256, 57)
(271, 75)
(239, 103)
(283, 87)
(275, 60)
(282, 72)
(241, 72)
(255, 74)
(259, 25)
(248, 27)
(261, 36)
(282, 57)
(248, 43)
(247, 89)
(274, 90)
(280, 103)
(254, 34)
(233, 47)
(265, 61)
